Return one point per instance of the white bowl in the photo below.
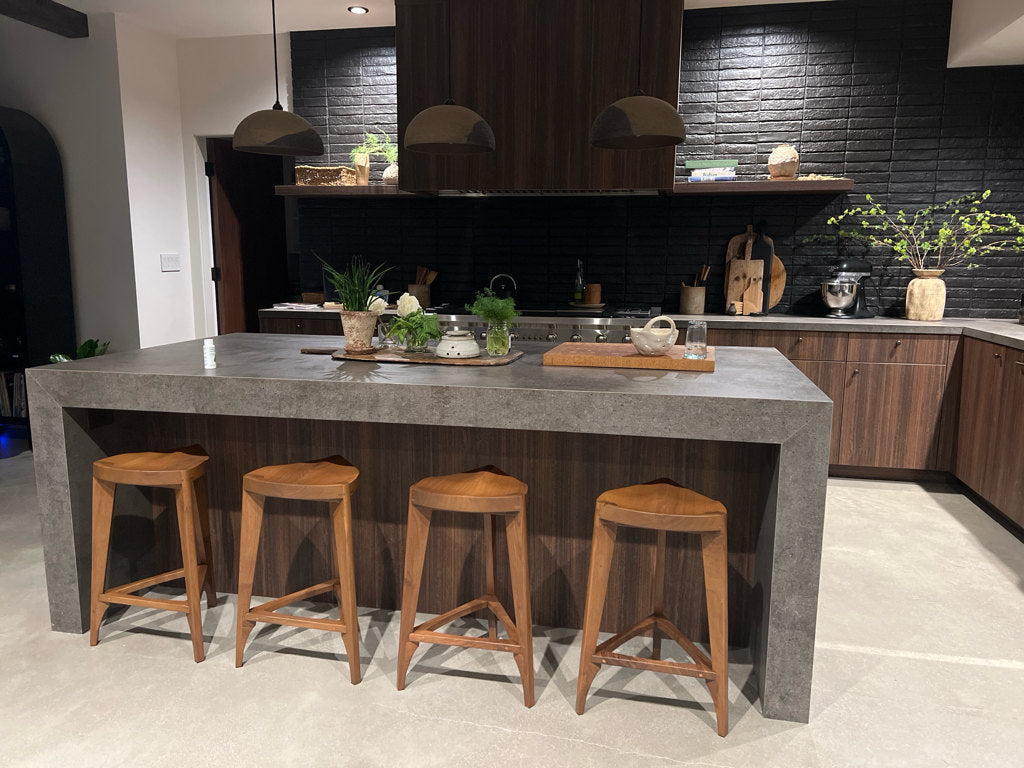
(655, 341)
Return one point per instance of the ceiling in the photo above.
(227, 18)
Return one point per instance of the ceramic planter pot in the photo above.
(358, 328)
(926, 295)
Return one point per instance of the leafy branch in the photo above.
(376, 146)
(937, 236)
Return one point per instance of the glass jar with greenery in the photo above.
(499, 314)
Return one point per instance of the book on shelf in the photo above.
(723, 177)
(711, 162)
(702, 172)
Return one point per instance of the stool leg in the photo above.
(417, 530)
(519, 567)
(249, 542)
(659, 592)
(102, 511)
(184, 497)
(203, 516)
(341, 517)
(597, 587)
(716, 587)
(490, 553)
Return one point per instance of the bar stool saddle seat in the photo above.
(490, 492)
(664, 506)
(184, 472)
(330, 479)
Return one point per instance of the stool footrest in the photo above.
(122, 595)
(701, 666)
(266, 612)
(427, 631)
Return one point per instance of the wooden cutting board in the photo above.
(598, 355)
(738, 248)
(428, 358)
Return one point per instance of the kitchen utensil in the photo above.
(853, 271)
(608, 355)
(431, 276)
(655, 341)
(691, 299)
(696, 346)
(743, 280)
(399, 356)
(457, 344)
(737, 248)
(422, 293)
(839, 296)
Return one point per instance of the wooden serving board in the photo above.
(429, 358)
(597, 355)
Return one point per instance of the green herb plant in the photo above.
(492, 309)
(937, 236)
(376, 145)
(355, 286)
(413, 323)
(88, 348)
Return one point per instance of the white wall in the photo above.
(221, 81)
(156, 181)
(71, 87)
(986, 33)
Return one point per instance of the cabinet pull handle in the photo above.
(997, 356)
(898, 342)
(856, 371)
(1020, 363)
(799, 339)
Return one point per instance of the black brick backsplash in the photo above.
(858, 86)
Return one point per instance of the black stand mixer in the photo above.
(846, 293)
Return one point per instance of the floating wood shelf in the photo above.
(763, 186)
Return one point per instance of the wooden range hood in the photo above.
(539, 71)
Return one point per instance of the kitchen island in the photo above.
(754, 434)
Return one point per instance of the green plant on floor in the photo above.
(376, 145)
(88, 348)
(355, 285)
(937, 236)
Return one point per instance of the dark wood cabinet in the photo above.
(830, 377)
(295, 322)
(538, 73)
(990, 449)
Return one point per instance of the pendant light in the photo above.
(449, 129)
(638, 121)
(276, 131)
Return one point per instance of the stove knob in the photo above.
(602, 336)
(576, 336)
(627, 339)
(552, 335)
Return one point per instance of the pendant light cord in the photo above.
(639, 51)
(277, 82)
(448, 6)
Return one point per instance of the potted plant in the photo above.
(360, 306)
(499, 314)
(413, 327)
(377, 145)
(932, 240)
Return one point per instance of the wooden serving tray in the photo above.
(428, 358)
(605, 355)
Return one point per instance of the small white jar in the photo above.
(457, 344)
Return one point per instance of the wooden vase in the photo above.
(926, 295)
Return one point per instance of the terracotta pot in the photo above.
(926, 295)
(358, 328)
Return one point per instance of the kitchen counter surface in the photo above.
(754, 397)
(1000, 331)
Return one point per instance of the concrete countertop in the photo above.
(999, 331)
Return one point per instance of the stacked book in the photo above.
(712, 169)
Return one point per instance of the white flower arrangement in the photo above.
(377, 306)
(407, 305)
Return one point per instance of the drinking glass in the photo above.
(696, 347)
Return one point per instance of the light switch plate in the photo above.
(170, 262)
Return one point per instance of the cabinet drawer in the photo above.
(897, 348)
(796, 345)
(309, 325)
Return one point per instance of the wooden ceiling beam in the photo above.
(48, 15)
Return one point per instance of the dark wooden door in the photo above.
(891, 415)
(979, 414)
(249, 247)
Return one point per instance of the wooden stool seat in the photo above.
(183, 471)
(490, 492)
(661, 505)
(331, 479)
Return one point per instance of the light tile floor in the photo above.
(919, 662)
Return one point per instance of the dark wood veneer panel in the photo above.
(897, 348)
(565, 474)
(830, 377)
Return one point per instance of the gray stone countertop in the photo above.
(754, 395)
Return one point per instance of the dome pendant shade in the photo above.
(637, 122)
(449, 129)
(277, 132)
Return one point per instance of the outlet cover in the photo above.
(170, 262)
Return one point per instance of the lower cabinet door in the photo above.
(830, 378)
(1008, 449)
(980, 397)
(891, 415)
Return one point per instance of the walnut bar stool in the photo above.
(332, 480)
(487, 491)
(661, 505)
(184, 471)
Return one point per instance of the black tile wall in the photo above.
(860, 87)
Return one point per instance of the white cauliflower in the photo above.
(378, 305)
(407, 305)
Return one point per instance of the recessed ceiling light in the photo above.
(358, 9)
